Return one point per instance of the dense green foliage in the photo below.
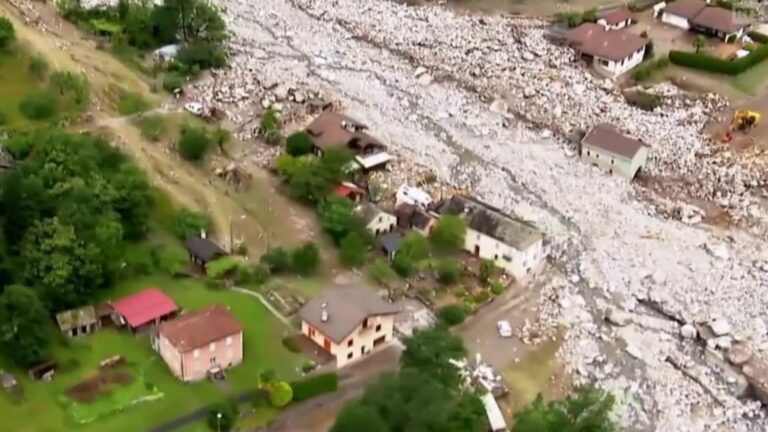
(403, 264)
(645, 71)
(298, 144)
(449, 232)
(194, 143)
(452, 314)
(588, 410)
(24, 326)
(152, 127)
(66, 211)
(352, 250)
(280, 393)
(277, 260)
(643, 100)
(173, 82)
(38, 68)
(415, 246)
(355, 418)
(381, 272)
(222, 267)
(426, 383)
(758, 37)
(131, 103)
(449, 271)
(306, 259)
(339, 219)
(222, 417)
(315, 385)
(7, 33)
(713, 64)
(191, 224)
(39, 105)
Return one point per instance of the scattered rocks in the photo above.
(618, 317)
(688, 331)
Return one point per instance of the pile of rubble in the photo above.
(510, 61)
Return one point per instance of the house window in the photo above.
(311, 332)
(229, 340)
(351, 341)
(588, 153)
(604, 62)
(196, 353)
(365, 323)
(378, 327)
(212, 347)
(349, 356)
(611, 161)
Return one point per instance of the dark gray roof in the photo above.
(606, 137)
(390, 242)
(420, 219)
(204, 248)
(492, 222)
(368, 212)
(346, 308)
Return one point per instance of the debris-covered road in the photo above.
(413, 75)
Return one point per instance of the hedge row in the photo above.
(758, 37)
(315, 385)
(712, 64)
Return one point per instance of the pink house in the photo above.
(200, 343)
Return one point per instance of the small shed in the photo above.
(350, 191)
(202, 251)
(166, 53)
(145, 308)
(389, 244)
(78, 322)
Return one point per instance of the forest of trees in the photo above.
(66, 210)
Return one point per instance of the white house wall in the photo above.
(384, 222)
(615, 68)
(520, 263)
(613, 163)
(617, 26)
(675, 20)
(362, 339)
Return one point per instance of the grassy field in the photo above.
(15, 83)
(753, 80)
(45, 406)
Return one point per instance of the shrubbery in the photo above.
(713, 64)
(152, 127)
(645, 71)
(39, 105)
(314, 386)
(643, 100)
(452, 314)
(194, 143)
(173, 82)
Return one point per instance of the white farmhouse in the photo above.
(611, 52)
(376, 220)
(348, 322)
(615, 19)
(606, 147)
(711, 20)
(511, 243)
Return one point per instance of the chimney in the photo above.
(324, 313)
(202, 234)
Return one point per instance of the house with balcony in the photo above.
(332, 129)
(348, 322)
(610, 52)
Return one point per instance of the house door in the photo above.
(379, 340)
(477, 250)
(327, 344)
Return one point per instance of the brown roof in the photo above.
(608, 138)
(331, 129)
(198, 329)
(346, 308)
(719, 19)
(615, 16)
(594, 39)
(685, 8)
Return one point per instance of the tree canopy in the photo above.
(448, 234)
(7, 33)
(24, 329)
(587, 410)
(67, 208)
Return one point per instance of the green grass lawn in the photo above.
(753, 80)
(44, 408)
(15, 83)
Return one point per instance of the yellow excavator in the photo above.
(744, 120)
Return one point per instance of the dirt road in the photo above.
(258, 216)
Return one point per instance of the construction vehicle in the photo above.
(744, 120)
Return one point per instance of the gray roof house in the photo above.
(606, 147)
(389, 244)
(348, 322)
(376, 220)
(512, 243)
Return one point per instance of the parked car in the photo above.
(195, 108)
(505, 329)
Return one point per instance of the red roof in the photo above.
(616, 16)
(343, 191)
(144, 306)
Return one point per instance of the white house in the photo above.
(348, 322)
(606, 147)
(376, 220)
(513, 244)
(680, 12)
(611, 52)
(615, 19)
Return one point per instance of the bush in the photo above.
(415, 246)
(260, 274)
(131, 103)
(481, 296)
(308, 366)
(497, 288)
(306, 259)
(316, 385)
(222, 417)
(204, 55)
(352, 250)
(280, 393)
(758, 37)
(38, 105)
(486, 270)
(448, 272)
(590, 15)
(449, 233)
(222, 267)
(7, 33)
(70, 86)
(194, 143)
(571, 19)
(645, 71)
(381, 272)
(712, 64)
(191, 223)
(173, 82)
(643, 100)
(152, 127)
(452, 314)
(402, 264)
(277, 260)
(38, 68)
(298, 144)
(291, 344)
